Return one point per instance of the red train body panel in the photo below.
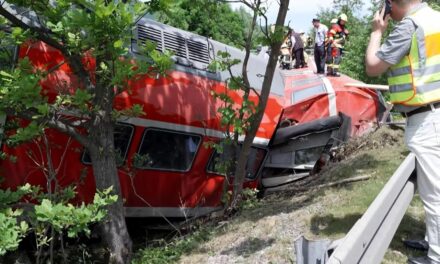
(181, 117)
(164, 167)
(312, 97)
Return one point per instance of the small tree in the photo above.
(247, 117)
(82, 30)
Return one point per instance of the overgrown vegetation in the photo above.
(91, 37)
(165, 252)
(266, 233)
(243, 118)
(227, 25)
(51, 217)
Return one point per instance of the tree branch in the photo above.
(67, 129)
(43, 34)
(54, 123)
(40, 32)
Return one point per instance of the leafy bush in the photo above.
(11, 233)
(53, 215)
(250, 199)
(11, 230)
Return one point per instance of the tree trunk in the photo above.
(113, 230)
(240, 172)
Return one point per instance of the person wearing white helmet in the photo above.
(335, 40)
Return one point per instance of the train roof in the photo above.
(193, 53)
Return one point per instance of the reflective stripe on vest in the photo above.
(415, 80)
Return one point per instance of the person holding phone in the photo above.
(410, 55)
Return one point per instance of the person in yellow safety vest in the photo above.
(411, 55)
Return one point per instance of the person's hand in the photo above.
(379, 24)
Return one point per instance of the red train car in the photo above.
(165, 169)
(310, 97)
(320, 112)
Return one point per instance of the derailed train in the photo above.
(179, 179)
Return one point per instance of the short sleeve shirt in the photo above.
(320, 34)
(398, 45)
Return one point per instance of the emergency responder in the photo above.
(331, 47)
(336, 40)
(342, 21)
(319, 50)
(410, 55)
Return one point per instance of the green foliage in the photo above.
(101, 29)
(11, 233)
(94, 38)
(134, 111)
(74, 219)
(435, 4)
(170, 252)
(353, 62)
(250, 199)
(52, 212)
(24, 134)
(235, 118)
(227, 26)
(9, 197)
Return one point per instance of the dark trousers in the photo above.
(320, 58)
(299, 58)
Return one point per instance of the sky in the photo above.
(301, 12)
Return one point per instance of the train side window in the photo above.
(167, 150)
(123, 134)
(255, 161)
(308, 92)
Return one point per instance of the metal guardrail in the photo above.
(369, 238)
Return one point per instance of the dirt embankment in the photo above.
(384, 137)
(266, 234)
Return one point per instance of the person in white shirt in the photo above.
(319, 50)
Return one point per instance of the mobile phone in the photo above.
(387, 9)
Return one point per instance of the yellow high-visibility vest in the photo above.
(415, 80)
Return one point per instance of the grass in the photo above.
(164, 252)
(266, 234)
(349, 203)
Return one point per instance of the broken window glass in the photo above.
(166, 150)
(220, 160)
